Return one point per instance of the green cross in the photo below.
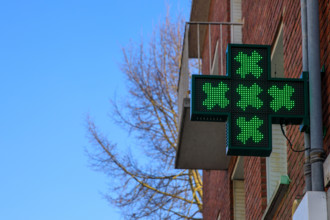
(249, 96)
(249, 64)
(249, 129)
(215, 95)
(281, 98)
(249, 100)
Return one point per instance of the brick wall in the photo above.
(216, 184)
(216, 194)
(324, 10)
(262, 27)
(262, 20)
(255, 187)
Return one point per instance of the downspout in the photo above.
(307, 165)
(316, 136)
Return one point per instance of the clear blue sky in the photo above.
(58, 63)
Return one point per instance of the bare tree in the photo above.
(154, 189)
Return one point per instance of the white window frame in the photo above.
(276, 163)
(238, 189)
(215, 63)
(236, 16)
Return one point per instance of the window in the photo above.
(239, 199)
(238, 173)
(236, 16)
(219, 216)
(215, 63)
(238, 189)
(277, 162)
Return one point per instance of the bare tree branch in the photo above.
(150, 113)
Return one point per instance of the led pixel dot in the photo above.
(215, 95)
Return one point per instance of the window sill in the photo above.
(277, 197)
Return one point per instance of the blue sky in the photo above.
(59, 61)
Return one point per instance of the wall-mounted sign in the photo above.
(249, 100)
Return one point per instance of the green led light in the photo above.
(215, 95)
(281, 97)
(249, 129)
(249, 96)
(249, 64)
(249, 100)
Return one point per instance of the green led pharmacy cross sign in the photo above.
(249, 100)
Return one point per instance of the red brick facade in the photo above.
(218, 184)
(324, 10)
(262, 21)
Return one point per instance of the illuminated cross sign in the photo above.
(249, 100)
